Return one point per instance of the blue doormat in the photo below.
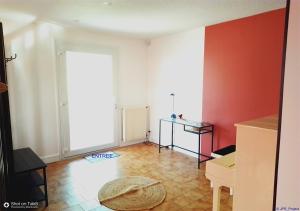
(96, 157)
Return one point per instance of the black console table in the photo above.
(27, 179)
(198, 128)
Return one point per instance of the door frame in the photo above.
(286, 29)
(63, 119)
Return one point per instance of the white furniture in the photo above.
(250, 170)
(220, 172)
(256, 142)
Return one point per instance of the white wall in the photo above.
(288, 188)
(33, 84)
(175, 65)
(31, 79)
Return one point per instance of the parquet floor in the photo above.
(73, 184)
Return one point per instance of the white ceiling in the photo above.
(139, 18)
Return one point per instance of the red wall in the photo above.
(242, 64)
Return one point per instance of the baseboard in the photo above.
(152, 142)
(50, 158)
(123, 144)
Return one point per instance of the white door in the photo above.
(87, 102)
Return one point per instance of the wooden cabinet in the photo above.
(255, 164)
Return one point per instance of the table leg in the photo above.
(159, 137)
(212, 138)
(45, 186)
(172, 136)
(199, 149)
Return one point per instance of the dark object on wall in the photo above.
(6, 155)
(10, 58)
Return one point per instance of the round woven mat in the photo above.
(132, 193)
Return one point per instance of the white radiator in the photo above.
(135, 124)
